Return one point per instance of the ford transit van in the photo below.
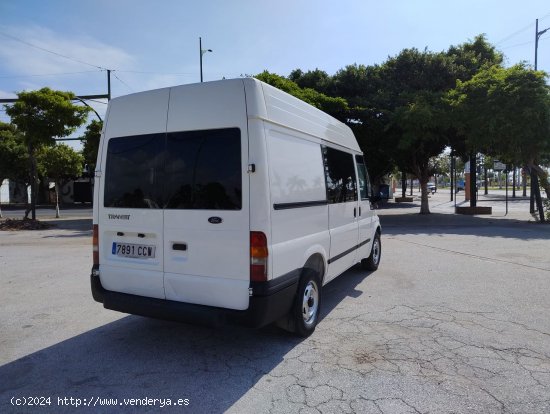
(227, 201)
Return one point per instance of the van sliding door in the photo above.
(343, 209)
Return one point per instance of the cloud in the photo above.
(20, 58)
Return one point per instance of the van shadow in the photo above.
(456, 224)
(137, 357)
(342, 287)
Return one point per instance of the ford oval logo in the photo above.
(215, 220)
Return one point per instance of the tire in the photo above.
(304, 314)
(373, 261)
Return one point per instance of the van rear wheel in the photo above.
(304, 314)
(307, 304)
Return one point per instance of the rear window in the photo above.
(198, 170)
(134, 175)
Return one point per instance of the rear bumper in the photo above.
(269, 302)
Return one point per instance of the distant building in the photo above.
(14, 193)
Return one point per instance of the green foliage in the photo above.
(13, 154)
(469, 58)
(91, 144)
(411, 88)
(41, 116)
(45, 114)
(405, 111)
(313, 79)
(59, 162)
(504, 112)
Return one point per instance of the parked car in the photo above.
(432, 188)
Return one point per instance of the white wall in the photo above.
(5, 192)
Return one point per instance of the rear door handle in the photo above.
(179, 246)
(354, 211)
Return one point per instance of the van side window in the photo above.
(340, 176)
(134, 176)
(198, 170)
(364, 180)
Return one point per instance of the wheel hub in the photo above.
(310, 303)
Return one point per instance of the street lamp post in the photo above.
(202, 52)
(537, 37)
(534, 177)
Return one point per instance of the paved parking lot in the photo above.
(456, 320)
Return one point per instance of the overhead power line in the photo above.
(96, 101)
(48, 74)
(514, 34)
(529, 26)
(518, 44)
(154, 73)
(124, 83)
(50, 51)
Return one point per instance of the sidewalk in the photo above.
(443, 210)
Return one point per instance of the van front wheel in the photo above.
(373, 261)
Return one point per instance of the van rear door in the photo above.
(206, 218)
(130, 215)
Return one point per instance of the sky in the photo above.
(68, 44)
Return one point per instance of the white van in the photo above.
(227, 201)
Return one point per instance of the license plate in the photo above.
(133, 250)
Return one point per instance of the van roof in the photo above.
(272, 105)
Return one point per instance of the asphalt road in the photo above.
(456, 320)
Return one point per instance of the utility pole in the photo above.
(452, 174)
(108, 84)
(535, 189)
(537, 37)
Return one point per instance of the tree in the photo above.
(505, 112)
(41, 116)
(91, 144)
(59, 162)
(368, 116)
(411, 87)
(13, 155)
(470, 57)
(316, 79)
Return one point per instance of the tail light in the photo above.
(258, 256)
(95, 244)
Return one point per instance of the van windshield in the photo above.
(179, 170)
